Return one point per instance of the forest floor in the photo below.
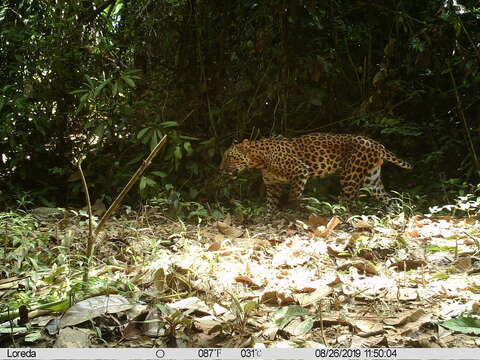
(289, 281)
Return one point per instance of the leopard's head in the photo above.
(236, 159)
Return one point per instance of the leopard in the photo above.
(292, 161)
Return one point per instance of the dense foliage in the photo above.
(108, 78)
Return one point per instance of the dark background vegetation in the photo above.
(108, 78)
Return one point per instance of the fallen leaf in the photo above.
(269, 297)
(476, 307)
(408, 317)
(361, 224)
(414, 233)
(208, 324)
(290, 257)
(464, 264)
(379, 341)
(362, 266)
(315, 221)
(229, 231)
(193, 304)
(246, 280)
(406, 265)
(332, 224)
(215, 246)
(314, 297)
(72, 338)
(94, 307)
(335, 253)
(285, 298)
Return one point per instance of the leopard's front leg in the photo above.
(297, 183)
(274, 187)
(274, 193)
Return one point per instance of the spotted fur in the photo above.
(293, 161)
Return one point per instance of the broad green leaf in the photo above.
(84, 98)
(142, 132)
(128, 80)
(465, 324)
(304, 327)
(100, 87)
(287, 313)
(12, 330)
(33, 336)
(249, 306)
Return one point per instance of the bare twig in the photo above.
(89, 205)
(461, 114)
(133, 180)
(320, 313)
(90, 231)
(475, 240)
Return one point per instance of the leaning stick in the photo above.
(133, 180)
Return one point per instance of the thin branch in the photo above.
(90, 228)
(461, 114)
(131, 182)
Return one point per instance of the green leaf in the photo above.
(100, 87)
(249, 306)
(115, 88)
(236, 306)
(129, 81)
(185, 137)
(167, 124)
(89, 82)
(79, 91)
(12, 330)
(100, 130)
(441, 276)
(33, 336)
(153, 141)
(143, 183)
(188, 148)
(178, 152)
(142, 132)
(304, 327)
(465, 324)
(84, 98)
(284, 315)
(159, 173)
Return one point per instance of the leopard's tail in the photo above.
(389, 156)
